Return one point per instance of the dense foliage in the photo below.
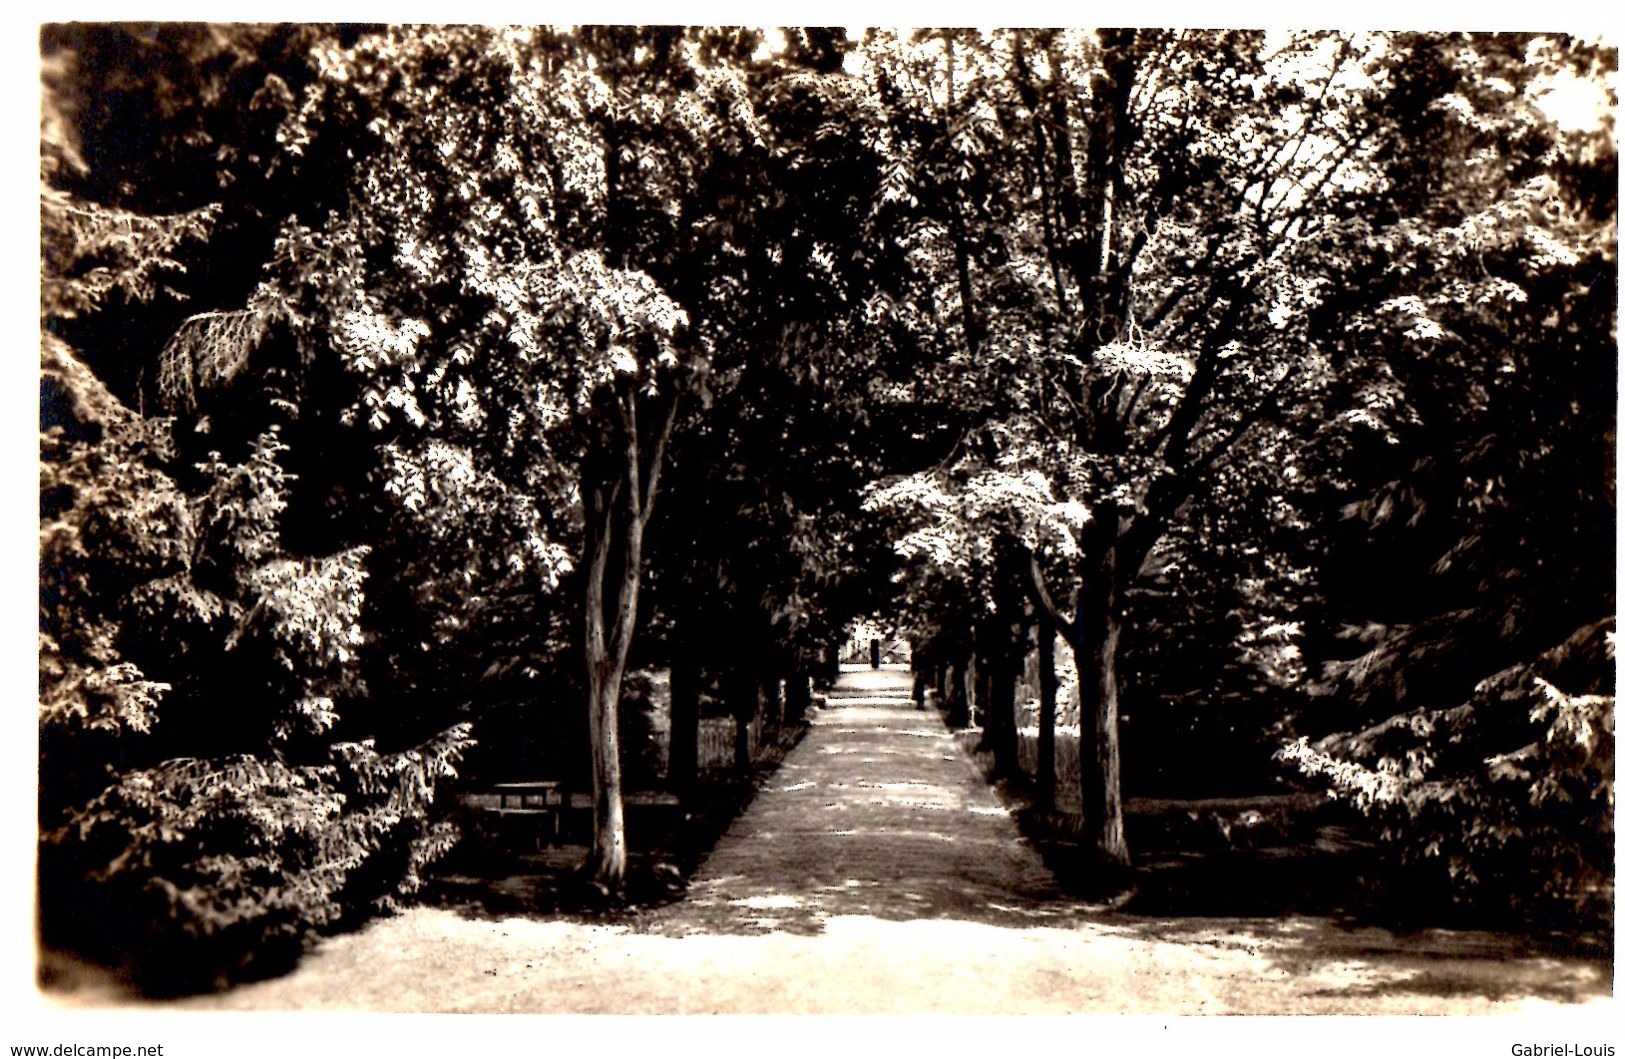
(1333, 307)
(207, 793)
(1271, 374)
(1473, 465)
(1508, 796)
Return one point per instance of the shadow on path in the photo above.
(879, 815)
(1333, 960)
(876, 813)
(875, 872)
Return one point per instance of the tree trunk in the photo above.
(1044, 780)
(1007, 653)
(797, 697)
(1109, 139)
(956, 694)
(997, 664)
(961, 238)
(1101, 625)
(683, 756)
(832, 665)
(619, 498)
(742, 701)
(772, 697)
(607, 862)
(1000, 722)
(968, 688)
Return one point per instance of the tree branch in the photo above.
(628, 407)
(1175, 434)
(1267, 172)
(657, 459)
(600, 524)
(1265, 405)
(1166, 494)
(1038, 589)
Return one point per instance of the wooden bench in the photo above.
(641, 799)
(544, 799)
(546, 802)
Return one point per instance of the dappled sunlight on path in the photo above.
(875, 872)
(876, 813)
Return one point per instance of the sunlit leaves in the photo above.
(1579, 739)
(91, 252)
(1141, 360)
(245, 851)
(447, 499)
(310, 609)
(114, 698)
(961, 518)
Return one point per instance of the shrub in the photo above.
(202, 869)
(1510, 794)
(198, 817)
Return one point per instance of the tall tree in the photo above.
(1155, 215)
(1470, 712)
(517, 348)
(786, 264)
(204, 836)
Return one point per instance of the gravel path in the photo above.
(875, 813)
(876, 873)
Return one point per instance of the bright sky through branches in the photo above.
(1575, 103)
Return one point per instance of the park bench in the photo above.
(546, 802)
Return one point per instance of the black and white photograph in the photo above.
(681, 519)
